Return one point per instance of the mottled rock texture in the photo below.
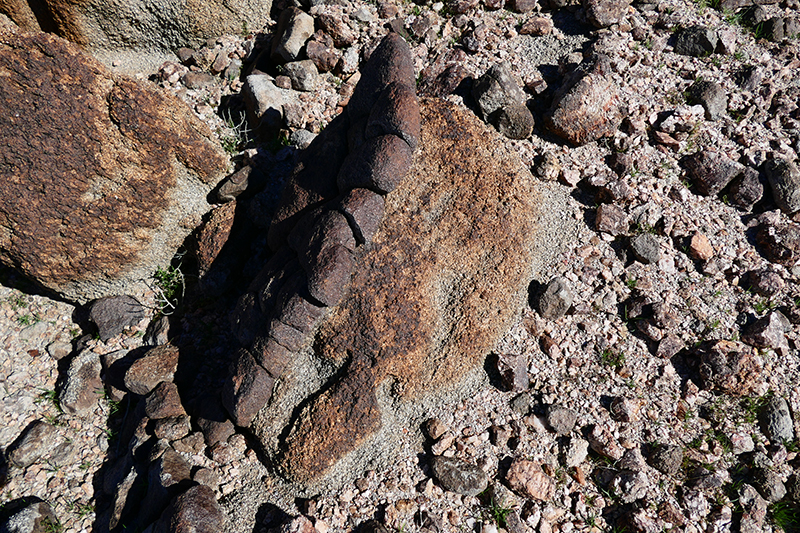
(103, 177)
(137, 24)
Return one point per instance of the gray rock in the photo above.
(604, 13)
(696, 41)
(632, 460)
(59, 350)
(712, 96)
(128, 494)
(631, 486)
(556, 299)
(458, 476)
(776, 421)
(35, 518)
(779, 241)
(38, 440)
(784, 180)
(769, 484)
(198, 80)
(502, 102)
(765, 282)
(645, 248)
(113, 314)
(561, 419)
(575, 452)
(301, 138)
(83, 386)
(667, 459)
(157, 332)
(587, 106)
(234, 185)
(172, 428)
(304, 75)
(264, 103)
(294, 29)
(522, 403)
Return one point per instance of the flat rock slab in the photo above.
(444, 276)
(104, 176)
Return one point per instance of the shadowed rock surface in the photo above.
(96, 199)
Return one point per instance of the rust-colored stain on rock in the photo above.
(88, 161)
(432, 294)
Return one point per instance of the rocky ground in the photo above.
(652, 384)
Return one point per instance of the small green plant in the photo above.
(28, 319)
(52, 525)
(237, 135)
(611, 359)
(785, 516)
(498, 513)
(80, 509)
(86, 465)
(17, 301)
(48, 396)
(170, 287)
(763, 305)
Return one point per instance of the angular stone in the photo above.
(611, 219)
(765, 282)
(127, 496)
(769, 332)
(586, 107)
(561, 419)
(293, 30)
(603, 442)
(463, 208)
(604, 13)
(711, 171)
(784, 180)
(746, 189)
(95, 202)
(669, 345)
(697, 41)
(157, 332)
(83, 387)
(164, 402)
(754, 510)
(337, 28)
(502, 102)
(167, 476)
(523, 6)
(213, 422)
(197, 80)
(264, 103)
(513, 370)
(528, 479)
(769, 484)
(390, 62)
(172, 428)
(364, 211)
(556, 299)
(304, 75)
(537, 26)
(700, 248)
(630, 486)
(271, 355)
(779, 242)
(291, 338)
(712, 96)
(380, 164)
(458, 476)
(396, 112)
(646, 248)
(322, 54)
(730, 367)
(575, 452)
(156, 365)
(515, 121)
(247, 389)
(39, 439)
(195, 511)
(113, 314)
(213, 236)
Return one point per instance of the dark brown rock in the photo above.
(271, 355)
(523, 6)
(329, 279)
(317, 232)
(167, 477)
(364, 211)
(611, 219)
(213, 235)
(513, 370)
(156, 365)
(730, 366)
(194, 511)
(396, 112)
(769, 332)
(323, 56)
(69, 232)
(537, 26)
(458, 476)
(247, 389)
(784, 180)
(380, 164)
(604, 13)
(291, 338)
(587, 106)
(711, 171)
(235, 184)
(448, 216)
(164, 401)
(113, 314)
(746, 189)
(337, 28)
(696, 41)
(390, 62)
(780, 241)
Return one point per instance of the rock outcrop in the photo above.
(104, 176)
(383, 290)
(138, 24)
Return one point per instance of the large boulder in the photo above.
(104, 176)
(158, 26)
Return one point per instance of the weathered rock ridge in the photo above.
(137, 24)
(385, 288)
(103, 177)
